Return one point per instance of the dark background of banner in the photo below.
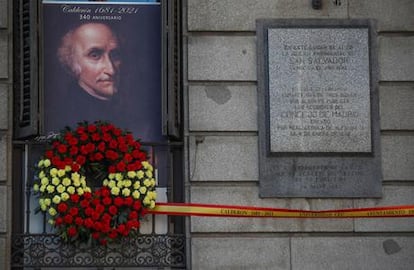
(139, 110)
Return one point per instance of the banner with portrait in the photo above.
(102, 61)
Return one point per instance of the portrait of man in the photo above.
(90, 53)
(103, 62)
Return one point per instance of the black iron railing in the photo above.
(48, 250)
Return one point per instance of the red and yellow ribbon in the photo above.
(214, 210)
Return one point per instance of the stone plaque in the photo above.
(319, 90)
(318, 109)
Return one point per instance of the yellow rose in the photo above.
(52, 211)
(146, 200)
(136, 194)
(137, 184)
(42, 188)
(148, 173)
(65, 196)
(115, 191)
(50, 188)
(51, 222)
(76, 183)
(66, 181)
(75, 176)
(47, 201)
(55, 181)
(143, 190)
(120, 184)
(145, 164)
(153, 182)
(127, 183)
(119, 176)
(105, 182)
(71, 190)
(147, 182)
(41, 174)
(61, 173)
(46, 162)
(87, 189)
(36, 187)
(60, 189)
(44, 181)
(43, 207)
(152, 195)
(111, 176)
(41, 201)
(68, 168)
(152, 204)
(40, 163)
(111, 184)
(53, 172)
(56, 199)
(131, 174)
(80, 191)
(140, 174)
(126, 192)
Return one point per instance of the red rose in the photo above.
(96, 137)
(101, 147)
(131, 167)
(107, 201)
(97, 226)
(74, 211)
(49, 154)
(128, 157)
(121, 166)
(118, 201)
(133, 224)
(75, 167)
(68, 219)
(121, 228)
(59, 221)
(73, 151)
(106, 218)
(72, 231)
(113, 234)
(89, 211)
(113, 210)
(123, 147)
(73, 141)
(62, 148)
(95, 215)
(105, 192)
(113, 144)
(112, 169)
(99, 208)
(96, 235)
(128, 201)
(62, 207)
(88, 223)
(106, 137)
(121, 140)
(116, 131)
(91, 128)
(80, 160)
(84, 203)
(136, 153)
(133, 215)
(137, 205)
(83, 137)
(90, 147)
(80, 129)
(74, 198)
(79, 221)
(87, 195)
(98, 156)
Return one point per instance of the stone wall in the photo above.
(221, 129)
(5, 142)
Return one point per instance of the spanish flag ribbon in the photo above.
(215, 210)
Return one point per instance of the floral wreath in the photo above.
(125, 183)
